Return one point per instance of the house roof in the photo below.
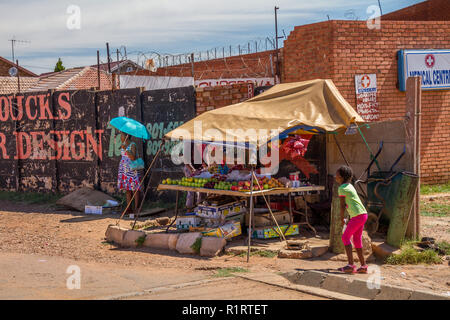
(71, 79)
(12, 64)
(9, 84)
(115, 65)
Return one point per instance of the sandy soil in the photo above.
(43, 230)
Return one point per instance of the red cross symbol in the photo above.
(430, 60)
(365, 81)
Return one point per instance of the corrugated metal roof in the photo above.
(9, 84)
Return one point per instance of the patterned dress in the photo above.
(128, 179)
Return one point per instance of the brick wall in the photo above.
(210, 98)
(254, 65)
(5, 65)
(431, 10)
(339, 50)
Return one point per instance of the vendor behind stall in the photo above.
(192, 169)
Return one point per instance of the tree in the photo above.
(59, 66)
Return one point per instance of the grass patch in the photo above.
(197, 245)
(426, 189)
(409, 255)
(259, 253)
(229, 272)
(30, 197)
(445, 246)
(437, 208)
(140, 241)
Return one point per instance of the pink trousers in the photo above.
(354, 228)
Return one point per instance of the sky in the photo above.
(74, 30)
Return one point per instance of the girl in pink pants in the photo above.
(358, 216)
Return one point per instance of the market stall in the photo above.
(288, 114)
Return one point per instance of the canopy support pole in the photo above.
(149, 181)
(250, 217)
(282, 237)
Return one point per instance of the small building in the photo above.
(5, 65)
(73, 79)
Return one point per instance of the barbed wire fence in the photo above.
(162, 60)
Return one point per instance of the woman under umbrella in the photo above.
(129, 175)
(129, 179)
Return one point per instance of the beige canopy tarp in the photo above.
(284, 107)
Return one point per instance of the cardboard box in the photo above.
(226, 231)
(100, 210)
(184, 222)
(265, 219)
(218, 211)
(272, 232)
(93, 209)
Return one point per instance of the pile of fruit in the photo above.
(187, 182)
(218, 182)
(262, 184)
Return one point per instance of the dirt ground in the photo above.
(40, 229)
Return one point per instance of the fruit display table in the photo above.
(241, 194)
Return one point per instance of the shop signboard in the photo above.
(366, 97)
(432, 65)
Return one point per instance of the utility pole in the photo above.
(98, 69)
(379, 4)
(276, 45)
(276, 29)
(18, 76)
(107, 53)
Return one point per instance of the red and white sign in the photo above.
(257, 82)
(366, 97)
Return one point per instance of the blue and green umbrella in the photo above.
(131, 127)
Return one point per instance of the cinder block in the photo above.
(295, 254)
(115, 234)
(212, 246)
(185, 241)
(317, 251)
(130, 237)
(157, 241)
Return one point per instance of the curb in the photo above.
(160, 289)
(282, 282)
(358, 288)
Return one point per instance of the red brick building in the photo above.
(431, 10)
(5, 65)
(339, 50)
(73, 79)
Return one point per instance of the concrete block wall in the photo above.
(339, 50)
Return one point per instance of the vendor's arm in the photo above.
(132, 152)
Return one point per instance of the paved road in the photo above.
(28, 276)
